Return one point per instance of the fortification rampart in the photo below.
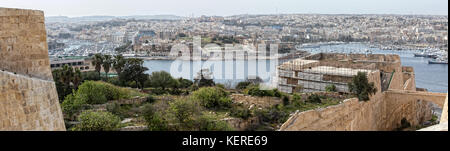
(384, 112)
(23, 43)
(28, 97)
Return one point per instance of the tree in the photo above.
(184, 83)
(118, 63)
(97, 62)
(361, 87)
(63, 78)
(107, 62)
(161, 80)
(97, 121)
(134, 71)
(77, 77)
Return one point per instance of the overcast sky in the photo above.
(74, 8)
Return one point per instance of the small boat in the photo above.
(438, 61)
(420, 55)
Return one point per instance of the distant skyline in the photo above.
(186, 8)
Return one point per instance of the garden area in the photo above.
(134, 100)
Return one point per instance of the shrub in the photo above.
(184, 83)
(91, 75)
(114, 108)
(154, 120)
(256, 91)
(73, 104)
(159, 91)
(220, 86)
(240, 113)
(272, 115)
(331, 88)
(97, 121)
(212, 98)
(184, 110)
(286, 101)
(361, 87)
(100, 92)
(150, 99)
(115, 81)
(243, 85)
(208, 122)
(276, 93)
(314, 98)
(296, 97)
(161, 80)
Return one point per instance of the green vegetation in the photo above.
(212, 98)
(361, 87)
(66, 79)
(255, 90)
(161, 80)
(73, 104)
(101, 92)
(91, 92)
(97, 121)
(134, 71)
(331, 88)
(97, 62)
(240, 112)
(314, 98)
(107, 63)
(243, 85)
(163, 103)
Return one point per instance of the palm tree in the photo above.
(66, 75)
(97, 62)
(119, 63)
(107, 61)
(76, 80)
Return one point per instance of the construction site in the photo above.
(315, 72)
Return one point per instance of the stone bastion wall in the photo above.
(28, 97)
(384, 111)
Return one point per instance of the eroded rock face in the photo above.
(28, 97)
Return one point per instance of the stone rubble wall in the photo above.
(28, 97)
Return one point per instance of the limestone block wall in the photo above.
(28, 104)
(23, 43)
(384, 112)
(28, 97)
(381, 114)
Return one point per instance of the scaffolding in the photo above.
(310, 76)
